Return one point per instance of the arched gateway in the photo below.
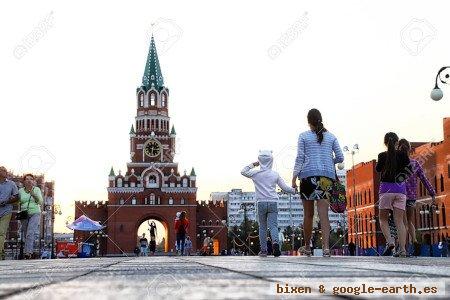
(152, 186)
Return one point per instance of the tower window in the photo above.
(170, 201)
(152, 199)
(133, 201)
(119, 182)
(185, 182)
(152, 99)
(182, 202)
(121, 202)
(442, 183)
(141, 100)
(163, 100)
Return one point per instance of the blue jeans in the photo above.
(267, 218)
(180, 242)
(144, 251)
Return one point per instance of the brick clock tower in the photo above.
(152, 186)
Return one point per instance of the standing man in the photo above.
(144, 245)
(8, 195)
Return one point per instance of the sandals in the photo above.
(326, 253)
(305, 251)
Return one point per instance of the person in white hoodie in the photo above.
(266, 180)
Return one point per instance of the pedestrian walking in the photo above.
(392, 165)
(143, 242)
(30, 198)
(269, 246)
(352, 248)
(317, 154)
(181, 226)
(8, 195)
(188, 246)
(266, 180)
(416, 173)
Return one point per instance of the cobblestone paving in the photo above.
(214, 277)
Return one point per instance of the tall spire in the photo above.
(152, 74)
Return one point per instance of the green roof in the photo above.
(193, 172)
(132, 129)
(152, 73)
(111, 173)
(173, 130)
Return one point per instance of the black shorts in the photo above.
(315, 188)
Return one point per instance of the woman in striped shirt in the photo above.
(318, 152)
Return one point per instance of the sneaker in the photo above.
(326, 253)
(400, 254)
(388, 250)
(276, 250)
(262, 254)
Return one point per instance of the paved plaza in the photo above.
(221, 277)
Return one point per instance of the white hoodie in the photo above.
(266, 179)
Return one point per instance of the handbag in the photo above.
(23, 214)
(338, 197)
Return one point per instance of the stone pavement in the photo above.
(222, 277)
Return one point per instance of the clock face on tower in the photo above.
(152, 149)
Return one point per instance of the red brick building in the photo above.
(152, 186)
(434, 223)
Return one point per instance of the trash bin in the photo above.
(86, 250)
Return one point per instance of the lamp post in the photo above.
(436, 93)
(352, 153)
(245, 206)
(427, 213)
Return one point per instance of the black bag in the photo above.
(23, 214)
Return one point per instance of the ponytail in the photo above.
(404, 146)
(390, 140)
(315, 119)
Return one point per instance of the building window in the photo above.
(210, 222)
(141, 99)
(182, 202)
(133, 201)
(217, 222)
(152, 199)
(152, 99)
(170, 201)
(203, 222)
(185, 182)
(163, 99)
(442, 183)
(121, 202)
(119, 182)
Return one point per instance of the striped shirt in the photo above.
(314, 159)
(411, 181)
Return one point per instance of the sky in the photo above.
(242, 76)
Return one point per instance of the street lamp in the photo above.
(352, 153)
(436, 93)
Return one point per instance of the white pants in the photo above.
(30, 230)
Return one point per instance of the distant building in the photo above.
(290, 208)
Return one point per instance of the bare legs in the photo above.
(399, 216)
(384, 225)
(411, 229)
(322, 209)
(308, 215)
